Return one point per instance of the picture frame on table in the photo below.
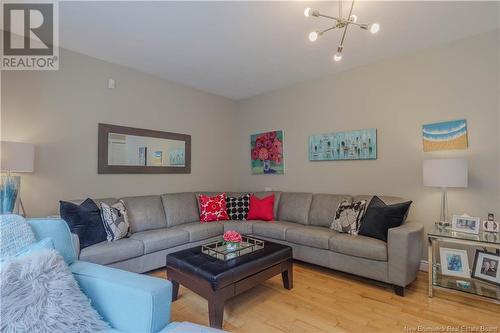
(454, 262)
(486, 268)
(466, 224)
(487, 290)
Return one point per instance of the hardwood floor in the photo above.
(324, 300)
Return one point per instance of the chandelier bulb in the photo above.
(353, 18)
(307, 12)
(374, 28)
(337, 56)
(313, 36)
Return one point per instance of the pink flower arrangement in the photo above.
(232, 236)
(268, 147)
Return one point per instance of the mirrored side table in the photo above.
(475, 288)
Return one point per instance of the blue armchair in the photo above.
(129, 302)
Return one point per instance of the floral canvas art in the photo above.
(267, 153)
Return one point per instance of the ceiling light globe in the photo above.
(308, 12)
(353, 18)
(374, 28)
(313, 36)
(337, 56)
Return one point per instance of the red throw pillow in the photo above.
(261, 209)
(213, 208)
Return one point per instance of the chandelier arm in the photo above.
(322, 32)
(358, 24)
(346, 26)
(340, 8)
(331, 17)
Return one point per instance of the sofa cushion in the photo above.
(180, 208)
(238, 207)
(199, 231)
(323, 208)
(348, 216)
(105, 253)
(84, 220)
(379, 218)
(261, 209)
(294, 207)
(213, 208)
(275, 230)
(312, 236)
(160, 239)
(145, 213)
(277, 195)
(359, 246)
(243, 227)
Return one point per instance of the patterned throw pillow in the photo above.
(213, 208)
(115, 220)
(238, 207)
(348, 217)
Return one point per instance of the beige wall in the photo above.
(59, 111)
(397, 96)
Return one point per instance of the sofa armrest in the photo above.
(404, 248)
(129, 302)
(76, 244)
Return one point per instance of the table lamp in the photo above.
(445, 173)
(15, 157)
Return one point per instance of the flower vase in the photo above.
(267, 166)
(9, 193)
(231, 247)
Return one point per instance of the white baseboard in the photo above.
(424, 265)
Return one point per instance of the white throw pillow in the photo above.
(348, 217)
(39, 294)
(115, 220)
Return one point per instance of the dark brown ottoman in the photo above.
(217, 280)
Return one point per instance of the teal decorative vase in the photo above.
(9, 192)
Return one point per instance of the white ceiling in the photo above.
(241, 49)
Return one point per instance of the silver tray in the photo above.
(219, 249)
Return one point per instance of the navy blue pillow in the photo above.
(84, 220)
(379, 218)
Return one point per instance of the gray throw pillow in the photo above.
(348, 217)
(39, 294)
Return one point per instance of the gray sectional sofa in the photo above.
(170, 222)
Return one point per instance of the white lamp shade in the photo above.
(445, 173)
(17, 156)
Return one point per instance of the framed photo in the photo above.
(491, 226)
(467, 224)
(454, 262)
(486, 267)
(487, 290)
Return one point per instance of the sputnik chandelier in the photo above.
(340, 22)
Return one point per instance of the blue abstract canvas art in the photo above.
(350, 145)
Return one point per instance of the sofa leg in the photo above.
(400, 291)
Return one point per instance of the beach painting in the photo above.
(446, 135)
(350, 145)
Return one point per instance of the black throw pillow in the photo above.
(84, 220)
(379, 218)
